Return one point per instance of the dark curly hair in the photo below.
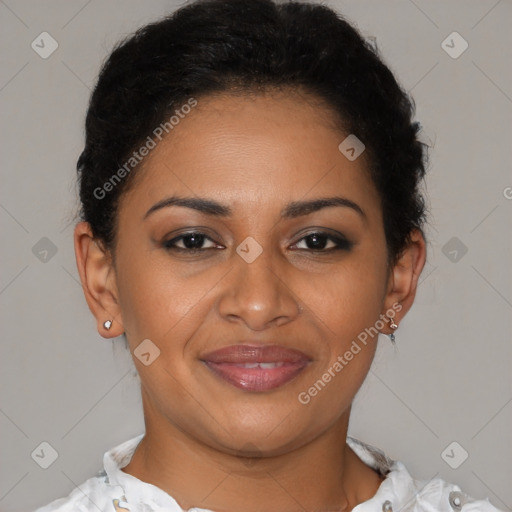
(215, 46)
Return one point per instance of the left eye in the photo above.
(190, 242)
(322, 242)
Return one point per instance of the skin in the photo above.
(207, 443)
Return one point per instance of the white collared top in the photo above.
(113, 490)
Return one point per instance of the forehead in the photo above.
(247, 149)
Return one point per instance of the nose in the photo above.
(257, 294)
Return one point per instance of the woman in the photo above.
(251, 221)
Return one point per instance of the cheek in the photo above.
(347, 304)
(159, 301)
(345, 307)
(350, 297)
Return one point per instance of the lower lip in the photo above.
(256, 379)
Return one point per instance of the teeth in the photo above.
(264, 366)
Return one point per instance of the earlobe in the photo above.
(403, 280)
(98, 279)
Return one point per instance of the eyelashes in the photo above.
(195, 242)
(322, 239)
(191, 241)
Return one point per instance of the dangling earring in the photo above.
(107, 324)
(392, 335)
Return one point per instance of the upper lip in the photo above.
(248, 353)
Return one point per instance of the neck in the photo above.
(324, 474)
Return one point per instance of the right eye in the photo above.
(190, 242)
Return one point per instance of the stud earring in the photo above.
(393, 325)
(107, 324)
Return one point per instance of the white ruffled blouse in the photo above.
(113, 490)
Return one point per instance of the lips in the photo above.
(256, 367)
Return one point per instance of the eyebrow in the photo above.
(299, 208)
(290, 211)
(207, 206)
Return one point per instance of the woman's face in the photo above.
(272, 266)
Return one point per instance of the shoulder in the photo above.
(93, 495)
(440, 495)
(401, 492)
(105, 491)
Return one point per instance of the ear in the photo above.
(98, 278)
(403, 279)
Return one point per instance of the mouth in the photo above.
(256, 367)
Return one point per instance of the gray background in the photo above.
(449, 378)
